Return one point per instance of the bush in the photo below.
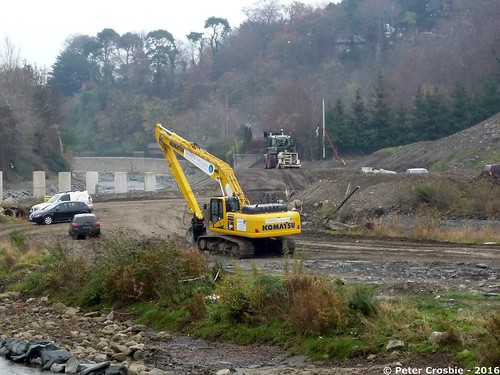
(317, 305)
(235, 299)
(269, 299)
(490, 348)
(363, 299)
(135, 270)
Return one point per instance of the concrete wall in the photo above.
(124, 164)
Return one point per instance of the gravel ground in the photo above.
(396, 266)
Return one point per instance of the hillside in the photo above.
(464, 152)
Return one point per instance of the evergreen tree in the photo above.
(438, 115)
(69, 73)
(461, 115)
(337, 127)
(487, 102)
(359, 123)
(417, 119)
(381, 117)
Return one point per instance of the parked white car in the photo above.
(417, 171)
(82, 196)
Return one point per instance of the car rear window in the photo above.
(85, 219)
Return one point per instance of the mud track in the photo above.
(394, 265)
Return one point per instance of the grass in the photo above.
(169, 287)
(431, 206)
(432, 228)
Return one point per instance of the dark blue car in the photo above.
(59, 212)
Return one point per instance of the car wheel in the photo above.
(47, 220)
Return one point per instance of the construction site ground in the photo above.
(396, 266)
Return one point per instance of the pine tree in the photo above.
(381, 117)
(461, 116)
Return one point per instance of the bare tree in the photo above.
(9, 56)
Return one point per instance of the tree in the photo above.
(337, 126)
(69, 73)
(438, 115)
(461, 111)
(197, 44)
(161, 51)
(487, 101)
(219, 29)
(429, 117)
(108, 40)
(132, 60)
(381, 116)
(359, 138)
(9, 138)
(265, 19)
(129, 43)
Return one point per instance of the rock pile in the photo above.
(66, 340)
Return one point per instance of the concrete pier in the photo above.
(149, 181)
(91, 180)
(121, 182)
(39, 189)
(64, 181)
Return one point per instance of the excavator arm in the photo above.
(171, 143)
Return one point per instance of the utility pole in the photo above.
(323, 132)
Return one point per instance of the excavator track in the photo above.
(243, 248)
(237, 247)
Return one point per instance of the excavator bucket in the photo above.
(190, 237)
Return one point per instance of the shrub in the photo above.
(135, 270)
(490, 348)
(442, 195)
(317, 306)
(363, 299)
(483, 198)
(196, 306)
(235, 299)
(269, 298)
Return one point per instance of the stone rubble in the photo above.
(87, 343)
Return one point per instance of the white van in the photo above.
(82, 196)
(417, 170)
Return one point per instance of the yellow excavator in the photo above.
(236, 227)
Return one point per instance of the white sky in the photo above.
(38, 29)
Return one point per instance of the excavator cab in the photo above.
(219, 208)
(217, 212)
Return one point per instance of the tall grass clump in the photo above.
(471, 197)
(317, 306)
(483, 199)
(137, 270)
(490, 346)
(57, 273)
(300, 303)
(362, 299)
(440, 195)
(18, 258)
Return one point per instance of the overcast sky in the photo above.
(38, 29)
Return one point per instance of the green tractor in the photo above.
(281, 150)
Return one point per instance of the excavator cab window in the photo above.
(216, 210)
(232, 204)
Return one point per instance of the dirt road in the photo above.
(394, 265)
